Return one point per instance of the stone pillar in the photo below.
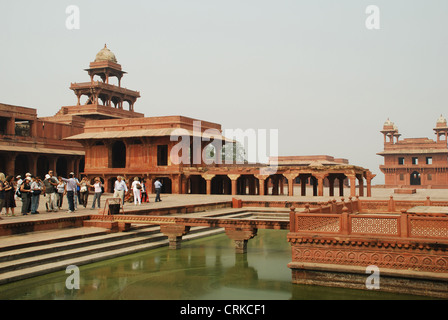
(150, 184)
(33, 128)
(369, 177)
(262, 179)
(184, 183)
(10, 163)
(11, 126)
(314, 183)
(174, 233)
(331, 185)
(208, 180)
(320, 184)
(234, 178)
(341, 186)
(290, 187)
(240, 236)
(352, 178)
(52, 163)
(303, 185)
(361, 186)
(33, 163)
(291, 178)
(251, 185)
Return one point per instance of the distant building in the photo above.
(415, 162)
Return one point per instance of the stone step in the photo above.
(50, 253)
(95, 256)
(43, 246)
(27, 240)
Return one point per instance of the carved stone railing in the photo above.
(403, 225)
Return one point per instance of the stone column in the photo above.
(331, 185)
(33, 163)
(208, 179)
(303, 185)
(184, 183)
(352, 178)
(261, 179)
(174, 233)
(33, 128)
(290, 178)
(234, 178)
(240, 236)
(11, 163)
(52, 163)
(361, 186)
(320, 183)
(341, 186)
(11, 126)
(275, 184)
(281, 185)
(369, 177)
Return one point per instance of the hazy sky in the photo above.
(309, 68)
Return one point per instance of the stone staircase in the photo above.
(26, 256)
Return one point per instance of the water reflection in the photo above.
(202, 269)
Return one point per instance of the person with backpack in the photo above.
(137, 188)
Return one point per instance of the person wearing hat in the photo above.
(50, 190)
(18, 184)
(136, 189)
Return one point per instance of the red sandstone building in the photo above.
(115, 140)
(35, 145)
(415, 162)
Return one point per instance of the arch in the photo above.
(247, 184)
(81, 165)
(166, 184)
(110, 184)
(221, 184)
(276, 183)
(21, 165)
(2, 163)
(415, 178)
(43, 165)
(62, 167)
(197, 185)
(118, 154)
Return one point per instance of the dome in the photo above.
(441, 120)
(105, 55)
(388, 124)
(395, 128)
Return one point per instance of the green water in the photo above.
(204, 269)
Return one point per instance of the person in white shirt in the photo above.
(158, 187)
(60, 192)
(136, 189)
(98, 191)
(71, 186)
(120, 188)
(37, 187)
(19, 183)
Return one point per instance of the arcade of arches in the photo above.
(284, 182)
(40, 164)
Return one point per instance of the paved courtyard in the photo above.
(170, 200)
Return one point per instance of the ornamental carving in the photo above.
(416, 260)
